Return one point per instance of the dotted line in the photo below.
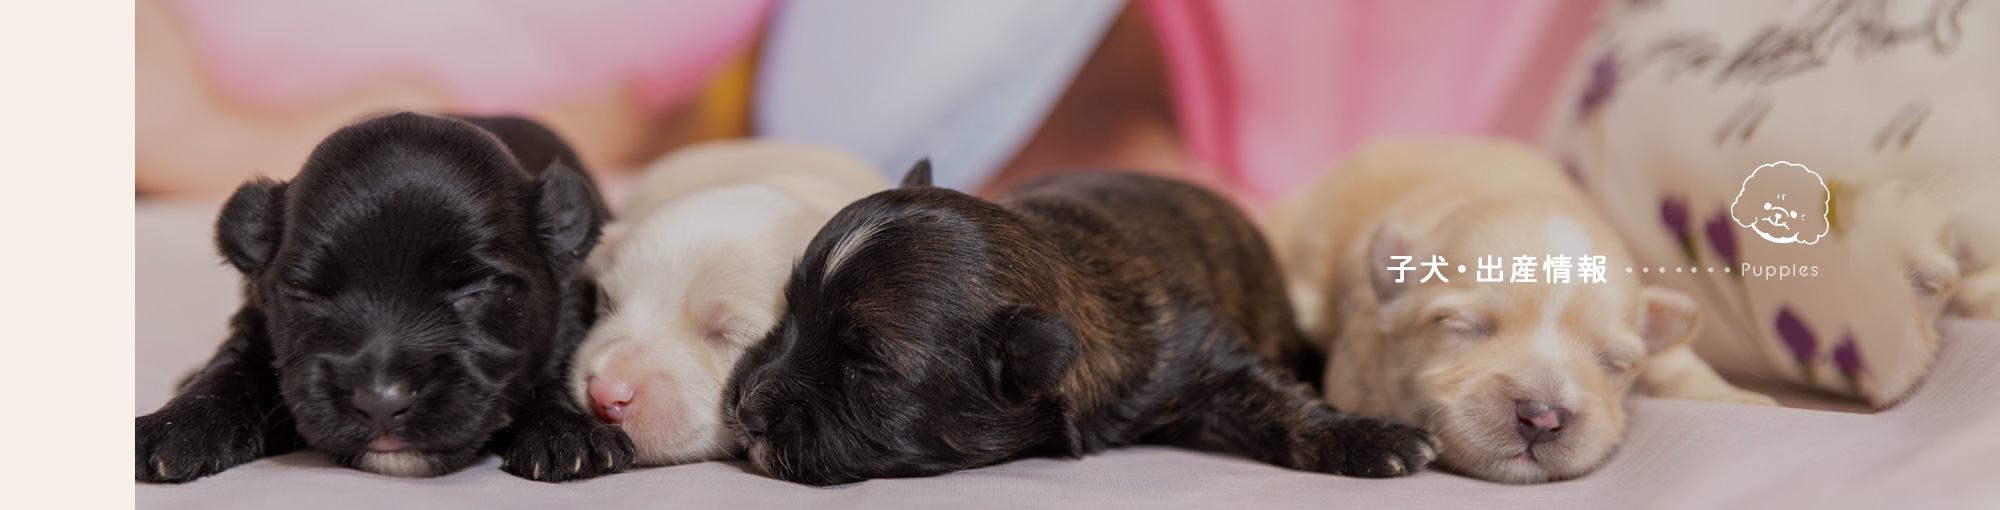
(1725, 269)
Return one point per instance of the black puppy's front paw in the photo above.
(178, 444)
(1376, 447)
(564, 446)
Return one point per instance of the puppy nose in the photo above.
(609, 397)
(384, 406)
(1538, 422)
(753, 421)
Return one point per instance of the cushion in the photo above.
(1869, 127)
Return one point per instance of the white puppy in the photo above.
(1524, 382)
(692, 276)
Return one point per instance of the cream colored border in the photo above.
(66, 214)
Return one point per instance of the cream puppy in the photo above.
(692, 275)
(1523, 382)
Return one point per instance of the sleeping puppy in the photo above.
(410, 298)
(1524, 382)
(697, 279)
(825, 176)
(928, 331)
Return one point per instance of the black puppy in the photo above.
(928, 331)
(411, 297)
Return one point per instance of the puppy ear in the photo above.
(1035, 350)
(1667, 319)
(247, 230)
(571, 216)
(919, 175)
(1389, 241)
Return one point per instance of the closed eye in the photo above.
(720, 339)
(1457, 324)
(465, 301)
(297, 292)
(725, 330)
(471, 295)
(1463, 322)
(857, 368)
(864, 364)
(854, 338)
(1615, 363)
(855, 344)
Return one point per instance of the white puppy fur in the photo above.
(1475, 361)
(692, 275)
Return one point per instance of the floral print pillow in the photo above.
(1883, 120)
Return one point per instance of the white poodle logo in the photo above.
(1784, 202)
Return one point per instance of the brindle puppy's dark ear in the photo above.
(920, 174)
(247, 230)
(571, 219)
(1035, 350)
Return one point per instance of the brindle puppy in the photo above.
(928, 331)
(411, 297)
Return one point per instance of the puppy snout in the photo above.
(385, 407)
(1538, 422)
(609, 397)
(753, 420)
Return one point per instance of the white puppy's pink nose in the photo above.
(608, 398)
(1538, 422)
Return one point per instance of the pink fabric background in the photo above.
(484, 56)
(1274, 92)
(1271, 93)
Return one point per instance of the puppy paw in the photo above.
(1375, 447)
(179, 445)
(559, 447)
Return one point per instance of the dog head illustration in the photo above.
(1784, 203)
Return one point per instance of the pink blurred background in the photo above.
(1251, 98)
